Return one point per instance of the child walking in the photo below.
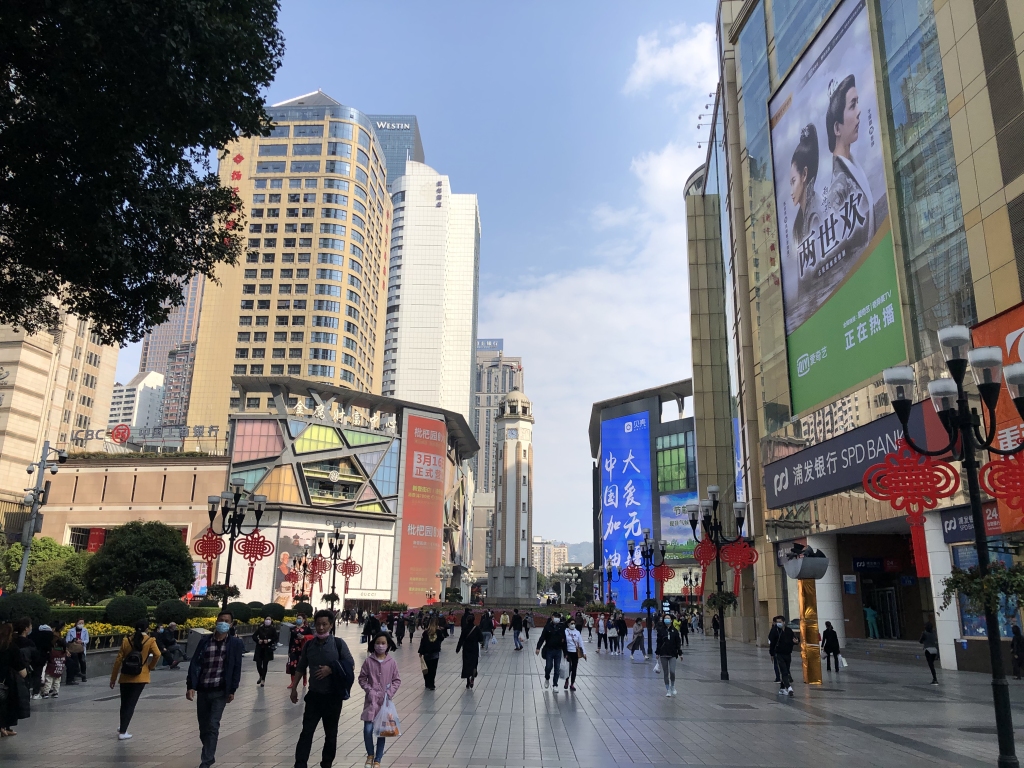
(379, 678)
(55, 668)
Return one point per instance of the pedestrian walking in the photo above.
(773, 636)
(136, 659)
(486, 629)
(14, 675)
(930, 641)
(430, 652)
(621, 630)
(379, 678)
(214, 674)
(517, 628)
(638, 638)
(527, 624)
(331, 670)
(30, 655)
(400, 630)
(42, 638)
(411, 626)
(552, 642)
(715, 624)
(602, 633)
(470, 640)
(573, 653)
(781, 647)
(670, 648)
(300, 634)
(684, 629)
(371, 627)
(265, 639)
(830, 646)
(77, 639)
(53, 670)
(590, 628)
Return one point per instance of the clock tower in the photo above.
(511, 576)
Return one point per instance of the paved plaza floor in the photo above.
(870, 714)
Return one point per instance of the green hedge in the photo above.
(203, 613)
(70, 614)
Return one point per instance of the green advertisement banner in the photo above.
(860, 328)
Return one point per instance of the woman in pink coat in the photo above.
(378, 677)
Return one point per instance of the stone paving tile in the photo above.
(871, 714)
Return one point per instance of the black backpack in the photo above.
(132, 664)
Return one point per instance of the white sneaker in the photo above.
(668, 692)
(123, 736)
(673, 690)
(782, 691)
(36, 696)
(547, 683)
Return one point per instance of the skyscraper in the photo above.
(139, 403)
(399, 135)
(432, 291)
(181, 327)
(308, 299)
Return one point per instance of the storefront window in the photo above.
(927, 192)
(971, 624)
(795, 22)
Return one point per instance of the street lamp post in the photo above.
(963, 426)
(430, 593)
(613, 576)
(301, 565)
(233, 509)
(336, 543)
(647, 556)
(35, 497)
(444, 574)
(711, 526)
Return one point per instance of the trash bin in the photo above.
(194, 636)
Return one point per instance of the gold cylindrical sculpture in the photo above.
(809, 648)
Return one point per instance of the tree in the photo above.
(108, 116)
(64, 588)
(73, 567)
(44, 549)
(542, 582)
(156, 591)
(138, 552)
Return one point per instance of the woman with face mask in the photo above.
(137, 658)
(573, 648)
(670, 647)
(301, 632)
(265, 637)
(469, 645)
(379, 678)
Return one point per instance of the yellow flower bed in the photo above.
(100, 629)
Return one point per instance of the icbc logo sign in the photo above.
(121, 434)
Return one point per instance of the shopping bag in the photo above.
(494, 640)
(386, 724)
(423, 664)
(842, 661)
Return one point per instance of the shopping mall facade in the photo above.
(863, 188)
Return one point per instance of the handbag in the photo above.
(386, 723)
(76, 646)
(423, 664)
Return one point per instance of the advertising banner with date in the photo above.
(840, 292)
(422, 509)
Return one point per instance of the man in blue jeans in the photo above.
(213, 677)
(552, 641)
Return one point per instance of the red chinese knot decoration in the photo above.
(1004, 479)
(703, 553)
(738, 555)
(318, 566)
(913, 483)
(209, 547)
(349, 568)
(253, 548)
(662, 573)
(633, 573)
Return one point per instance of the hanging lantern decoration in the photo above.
(349, 568)
(1004, 479)
(703, 553)
(662, 573)
(209, 547)
(738, 555)
(633, 573)
(318, 566)
(913, 483)
(253, 548)
(293, 576)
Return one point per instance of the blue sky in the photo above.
(576, 125)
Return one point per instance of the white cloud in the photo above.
(621, 323)
(682, 57)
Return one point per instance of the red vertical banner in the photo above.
(96, 538)
(422, 509)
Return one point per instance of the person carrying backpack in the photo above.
(214, 673)
(331, 674)
(136, 659)
(54, 670)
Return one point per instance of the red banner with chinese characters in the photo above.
(422, 521)
(1006, 331)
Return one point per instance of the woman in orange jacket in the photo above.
(136, 659)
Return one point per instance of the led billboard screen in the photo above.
(626, 501)
(422, 508)
(841, 296)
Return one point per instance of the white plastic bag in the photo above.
(843, 662)
(494, 640)
(386, 722)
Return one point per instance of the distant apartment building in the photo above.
(178, 383)
(549, 556)
(139, 403)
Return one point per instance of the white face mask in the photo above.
(267, 622)
(80, 625)
(779, 624)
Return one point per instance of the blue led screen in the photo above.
(626, 503)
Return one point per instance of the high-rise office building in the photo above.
(54, 385)
(433, 281)
(308, 298)
(139, 403)
(181, 327)
(178, 384)
(399, 135)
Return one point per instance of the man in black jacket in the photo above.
(214, 675)
(782, 649)
(552, 641)
(517, 627)
(773, 636)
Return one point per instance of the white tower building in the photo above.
(512, 577)
(139, 403)
(433, 279)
